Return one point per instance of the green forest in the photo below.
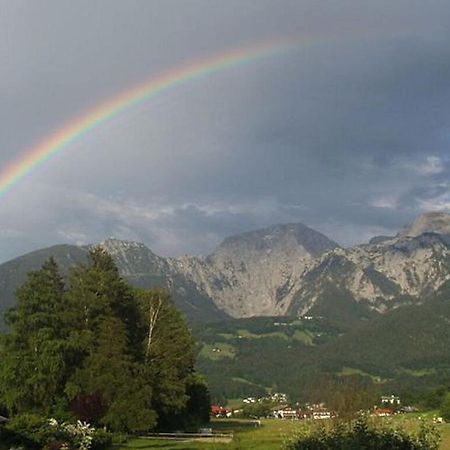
(404, 351)
(90, 347)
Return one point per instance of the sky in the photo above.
(347, 132)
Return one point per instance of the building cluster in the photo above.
(276, 397)
(314, 411)
(280, 408)
(390, 405)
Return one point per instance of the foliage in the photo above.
(36, 352)
(101, 439)
(445, 407)
(98, 350)
(29, 428)
(9, 439)
(89, 407)
(73, 436)
(197, 410)
(346, 396)
(34, 431)
(363, 435)
(257, 410)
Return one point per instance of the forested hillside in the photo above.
(405, 351)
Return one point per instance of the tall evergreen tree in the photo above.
(97, 290)
(36, 352)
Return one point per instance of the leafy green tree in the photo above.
(260, 409)
(110, 372)
(97, 290)
(198, 406)
(445, 407)
(196, 412)
(169, 351)
(36, 354)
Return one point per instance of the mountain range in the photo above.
(287, 269)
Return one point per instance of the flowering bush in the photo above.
(69, 436)
(31, 431)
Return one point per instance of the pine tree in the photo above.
(97, 290)
(35, 354)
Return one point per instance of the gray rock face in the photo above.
(257, 273)
(386, 273)
(144, 269)
(433, 222)
(283, 269)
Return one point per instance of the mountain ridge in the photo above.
(278, 270)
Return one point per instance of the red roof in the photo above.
(382, 411)
(215, 409)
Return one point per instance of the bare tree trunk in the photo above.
(154, 310)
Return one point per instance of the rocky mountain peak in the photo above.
(432, 222)
(133, 257)
(113, 245)
(257, 273)
(269, 238)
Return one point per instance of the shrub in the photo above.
(34, 432)
(74, 436)
(101, 439)
(29, 430)
(445, 407)
(362, 435)
(10, 439)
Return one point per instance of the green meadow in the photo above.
(271, 435)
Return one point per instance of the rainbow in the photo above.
(60, 140)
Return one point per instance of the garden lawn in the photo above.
(269, 436)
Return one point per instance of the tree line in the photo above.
(93, 348)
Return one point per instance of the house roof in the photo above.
(382, 411)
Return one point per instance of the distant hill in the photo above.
(136, 263)
(13, 273)
(401, 351)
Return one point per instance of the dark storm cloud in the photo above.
(347, 133)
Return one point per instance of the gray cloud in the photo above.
(347, 133)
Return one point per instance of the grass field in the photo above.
(269, 436)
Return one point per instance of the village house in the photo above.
(220, 411)
(318, 412)
(382, 412)
(390, 400)
(280, 397)
(285, 412)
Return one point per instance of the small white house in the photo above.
(390, 400)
